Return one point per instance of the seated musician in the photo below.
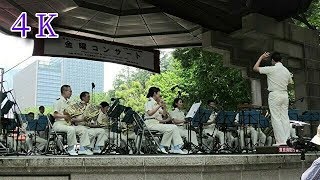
(211, 129)
(97, 134)
(128, 130)
(41, 112)
(178, 118)
(34, 137)
(62, 124)
(104, 121)
(246, 129)
(154, 121)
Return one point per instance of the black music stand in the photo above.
(36, 126)
(249, 118)
(293, 114)
(7, 107)
(9, 125)
(225, 120)
(114, 113)
(128, 119)
(311, 116)
(200, 117)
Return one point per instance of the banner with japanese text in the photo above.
(94, 49)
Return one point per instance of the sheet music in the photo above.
(194, 108)
(298, 123)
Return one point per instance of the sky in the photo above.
(14, 50)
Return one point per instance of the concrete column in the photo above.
(256, 92)
(300, 88)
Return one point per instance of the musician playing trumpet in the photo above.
(62, 124)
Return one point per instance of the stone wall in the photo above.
(197, 167)
(300, 47)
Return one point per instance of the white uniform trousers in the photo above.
(83, 133)
(261, 137)
(98, 137)
(72, 131)
(293, 133)
(278, 105)
(184, 133)
(253, 136)
(269, 141)
(40, 143)
(214, 132)
(231, 140)
(170, 132)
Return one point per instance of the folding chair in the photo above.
(54, 142)
(151, 145)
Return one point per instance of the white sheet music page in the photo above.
(194, 108)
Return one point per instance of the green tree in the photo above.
(166, 80)
(207, 78)
(133, 95)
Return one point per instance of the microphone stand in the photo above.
(93, 86)
(19, 123)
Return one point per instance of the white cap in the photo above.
(316, 138)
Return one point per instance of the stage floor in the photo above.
(145, 167)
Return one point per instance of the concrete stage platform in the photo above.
(146, 167)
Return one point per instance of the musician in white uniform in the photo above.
(154, 121)
(97, 135)
(250, 132)
(33, 137)
(278, 78)
(61, 125)
(210, 128)
(178, 118)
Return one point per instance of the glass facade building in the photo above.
(43, 80)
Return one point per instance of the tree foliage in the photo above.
(207, 78)
(199, 74)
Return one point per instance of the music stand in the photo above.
(310, 116)
(200, 117)
(293, 114)
(249, 118)
(225, 120)
(128, 119)
(9, 125)
(6, 107)
(264, 122)
(114, 113)
(36, 126)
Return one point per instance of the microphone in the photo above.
(93, 85)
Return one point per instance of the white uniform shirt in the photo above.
(278, 77)
(102, 118)
(177, 114)
(211, 119)
(60, 105)
(151, 104)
